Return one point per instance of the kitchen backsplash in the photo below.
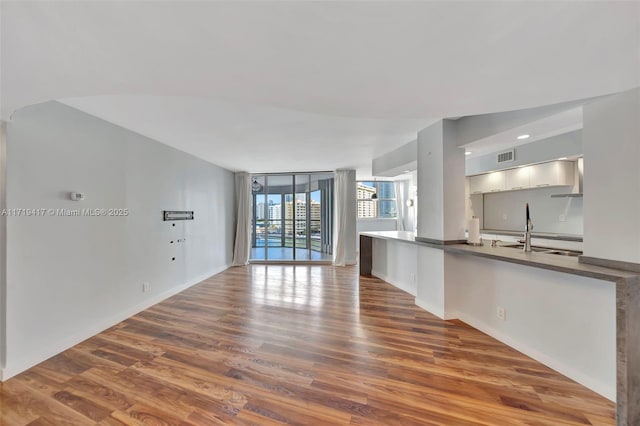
(506, 210)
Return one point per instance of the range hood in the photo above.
(574, 194)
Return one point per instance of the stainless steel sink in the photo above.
(547, 250)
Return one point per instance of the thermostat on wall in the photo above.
(76, 196)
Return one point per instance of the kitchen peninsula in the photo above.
(546, 300)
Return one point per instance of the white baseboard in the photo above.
(603, 389)
(402, 286)
(597, 386)
(431, 308)
(92, 329)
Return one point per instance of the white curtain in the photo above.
(344, 242)
(242, 246)
(401, 202)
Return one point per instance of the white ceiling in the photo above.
(258, 139)
(556, 124)
(285, 80)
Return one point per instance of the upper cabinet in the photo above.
(519, 178)
(555, 173)
(476, 184)
(488, 182)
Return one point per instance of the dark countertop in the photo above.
(566, 264)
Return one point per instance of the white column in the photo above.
(3, 243)
(611, 143)
(440, 183)
(441, 213)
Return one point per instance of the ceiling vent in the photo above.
(506, 156)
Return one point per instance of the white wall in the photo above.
(430, 187)
(395, 163)
(612, 177)
(396, 263)
(366, 225)
(70, 277)
(545, 211)
(3, 242)
(564, 321)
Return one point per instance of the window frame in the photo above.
(378, 200)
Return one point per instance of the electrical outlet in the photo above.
(561, 218)
(412, 277)
(501, 313)
(504, 216)
(145, 287)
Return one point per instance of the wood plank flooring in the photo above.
(307, 345)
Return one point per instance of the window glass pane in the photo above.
(274, 233)
(388, 208)
(367, 209)
(287, 216)
(314, 223)
(386, 190)
(316, 243)
(258, 229)
(366, 190)
(273, 209)
(288, 233)
(300, 206)
(301, 234)
(315, 212)
(288, 211)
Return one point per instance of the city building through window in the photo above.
(383, 207)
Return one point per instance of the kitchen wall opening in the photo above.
(553, 191)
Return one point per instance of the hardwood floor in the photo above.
(306, 345)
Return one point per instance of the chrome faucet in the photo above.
(528, 227)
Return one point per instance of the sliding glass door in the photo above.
(292, 217)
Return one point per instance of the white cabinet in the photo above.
(489, 182)
(518, 178)
(476, 184)
(496, 181)
(555, 173)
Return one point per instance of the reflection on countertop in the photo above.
(544, 235)
(407, 236)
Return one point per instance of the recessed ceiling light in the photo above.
(467, 153)
(523, 137)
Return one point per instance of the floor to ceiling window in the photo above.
(292, 217)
